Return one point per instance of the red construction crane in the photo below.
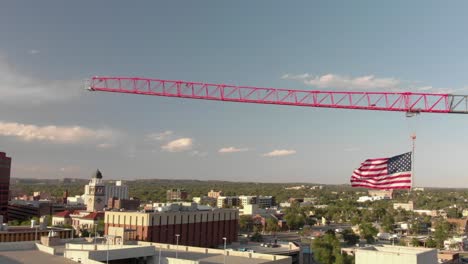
(383, 101)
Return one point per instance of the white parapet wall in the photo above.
(275, 258)
(45, 249)
(24, 245)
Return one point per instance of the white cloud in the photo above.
(345, 82)
(280, 152)
(232, 150)
(159, 136)
(17, 87)
(55, 134)
(178, 145)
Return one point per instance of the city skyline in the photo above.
(53, 128)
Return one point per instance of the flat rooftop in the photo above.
(30, 256)
(209, 255)
(281, 249)
(397, 249)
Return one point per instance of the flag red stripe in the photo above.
(377, 159)
(379, 162)
(364, 168)
(381, 188)
(383, 182)
(377, 179)
(369, 175)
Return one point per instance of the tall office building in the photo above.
(5, 168)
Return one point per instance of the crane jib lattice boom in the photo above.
(382, 101)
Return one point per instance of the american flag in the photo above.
(384, 173)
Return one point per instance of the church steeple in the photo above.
(97, 174)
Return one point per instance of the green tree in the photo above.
(100, 227)
(414, 242)
(368, 232)
(271, 225)
(431, 243)
(327, 250)
(442, 231)
(350, 237)
(387, 223)
(294, 217)
(246, 223)
(84, 233)
(415, 227)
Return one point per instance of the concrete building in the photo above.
(214, 194)
(176, 195)
(5, 169)
(387, 194)
(461, 225)
(123, 204)
(95, 193)
(227, 201)
(405, 206)
(85, 220)
(117, 190)
(144, 252)
(196, 227)
(62, 218)
(265, 201)
(205, 200)
(248, 199)
(25, 233)
(75, 200)
(395, 254)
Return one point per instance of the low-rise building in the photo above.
(62, 218)
(456, 243)
(123, 204)
(81, 220)
(461, 225)
(193, 226)
(248, 199)
(405, 206)
(25, 210)
(25, 233)
(448, 257)
(214, 194)
(395, 254)
(227, 201)
(265, 201)
(205, 200)
(176, 195)
(388, 194)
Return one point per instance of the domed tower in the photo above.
(95, 193)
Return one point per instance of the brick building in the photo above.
(127, 204)
(176, 195)
(195, 227)
(5, 168)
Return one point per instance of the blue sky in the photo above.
(53, 128)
